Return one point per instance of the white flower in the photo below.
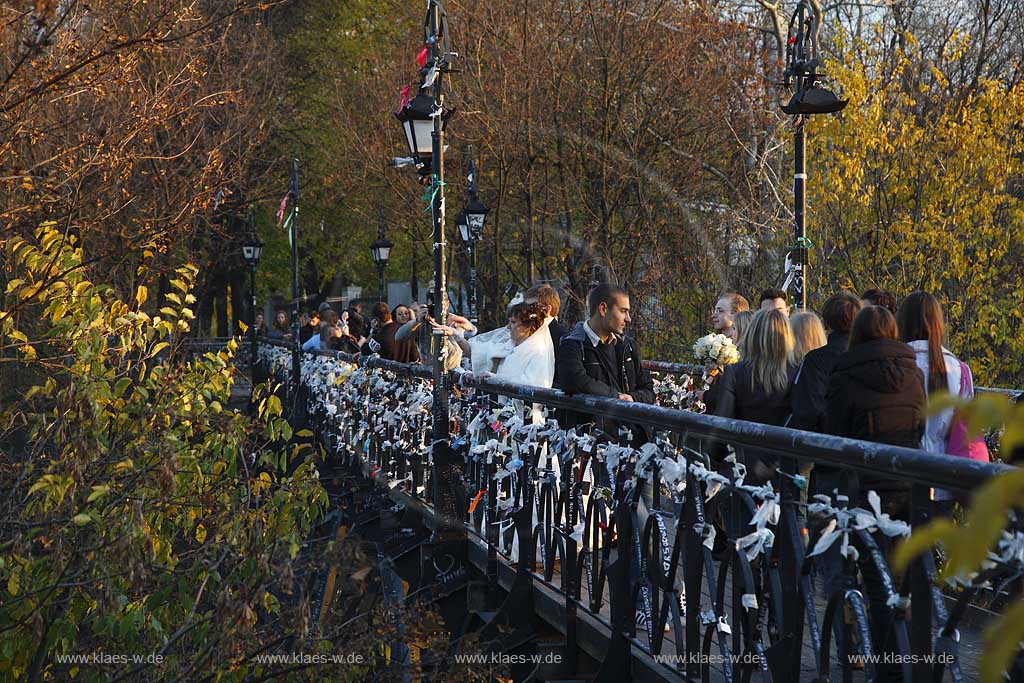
(715, 350)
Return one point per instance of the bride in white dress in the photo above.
(521, 352)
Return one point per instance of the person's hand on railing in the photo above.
(625, 397)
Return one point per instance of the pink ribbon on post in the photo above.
(406, 91)
(284, 205)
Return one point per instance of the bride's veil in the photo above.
(533, 361)
(489, 349)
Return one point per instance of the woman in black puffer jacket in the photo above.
(876, 393)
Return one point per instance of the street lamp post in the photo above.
(470, 222)
(252, 250)
(293, 236)
(422, 114)
(381, 250)
(809, 98)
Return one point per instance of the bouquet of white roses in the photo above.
(715, 350)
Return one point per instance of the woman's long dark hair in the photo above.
(920, 317)
(873, 322)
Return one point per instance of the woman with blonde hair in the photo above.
(757, 388)
(808, 333)
(740, 323)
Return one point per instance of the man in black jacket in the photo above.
(548, 296)
(596, 357)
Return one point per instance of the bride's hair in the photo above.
(530, 315)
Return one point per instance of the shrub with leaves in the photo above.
(989, 536)
(140, 515)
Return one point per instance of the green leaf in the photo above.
(97, 493)
(273, 405)
(921, 541)
(81, 519)
(121, 385)
(1002, 642)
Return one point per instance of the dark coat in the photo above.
(807, 402)
(811, 384)
(582, 370)
(737, 397)
(876, 393)
(557, 330)
(391, 349)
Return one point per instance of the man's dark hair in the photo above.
(381, 312)
(604, 293)
(839, 311)
(356, 306)
(769, 294)
(881, 297)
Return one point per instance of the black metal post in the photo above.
(294, 236)
(471, 246)
(252, 320)
(471, 191)
(440, 404)
(799, 254)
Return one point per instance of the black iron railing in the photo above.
(674, 535)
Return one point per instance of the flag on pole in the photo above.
(284, 205)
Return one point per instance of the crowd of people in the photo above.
(864, 369)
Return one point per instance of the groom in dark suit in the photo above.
(596, 357)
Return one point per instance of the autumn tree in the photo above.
(918, 191)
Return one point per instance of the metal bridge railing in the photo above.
(675, 535)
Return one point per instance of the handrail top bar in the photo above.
(904, 463)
